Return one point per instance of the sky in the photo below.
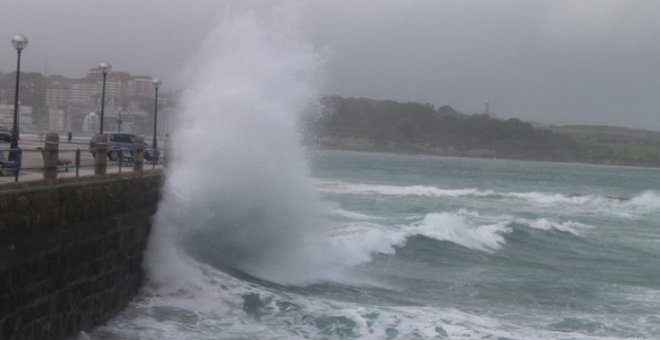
(558, 62)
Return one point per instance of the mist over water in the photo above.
(238, 187)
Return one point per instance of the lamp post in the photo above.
(105, 68)
(119, 120)
(155, 142)
(19, 42)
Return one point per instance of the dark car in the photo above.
(5, 134)
(150, 154)
(121, 145)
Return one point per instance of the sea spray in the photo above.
(238, 186)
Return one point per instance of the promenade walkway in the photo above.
(33, 162)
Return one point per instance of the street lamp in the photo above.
(105, 68)
(19, 42)
(155, 142)
(119, 120)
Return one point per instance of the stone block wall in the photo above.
(71, 251)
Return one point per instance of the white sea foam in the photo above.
(333, 209)
(542, 198)
(358, 241)
(646, 202)
(571, 227)
(414, 190)
(355, 215)
(361, 239)
(220, 309)
(551, 199)
(461, 230)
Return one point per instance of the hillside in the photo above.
(614, 145)
(384, 125)
(389, 126)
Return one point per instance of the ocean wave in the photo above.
(360, 240)
(334, 210)
(222, 306)
(484, 232)
(570, 227)
(543, 198)
(648, 199)
(644, 202)
(460, 229)
(414, 190)
(354, 215)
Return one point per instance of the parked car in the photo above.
(149, 153)
(5, 134)
(121, 145)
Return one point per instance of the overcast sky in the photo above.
(564, 62)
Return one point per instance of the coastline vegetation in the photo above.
(363, 124)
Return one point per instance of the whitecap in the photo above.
(644, 203)
(647, 200)
(459, 229)
(570, 227)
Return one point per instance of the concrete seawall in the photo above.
(71, 251)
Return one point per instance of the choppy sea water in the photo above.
(433, 247)
(253, 239)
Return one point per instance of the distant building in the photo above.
(91, 123)
(142, 87)
(82, 92)
(62, 104)
(25, 120)
(6, 115)
(57, 94)
(4, 96)
(57, 121)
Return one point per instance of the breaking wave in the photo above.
(360, 240)
(570, 227)
(244, 195)
(647, 200)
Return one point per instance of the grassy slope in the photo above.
(615, 145)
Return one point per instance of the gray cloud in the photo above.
(565, 61)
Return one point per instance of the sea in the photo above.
(257, 237)
(441, 247)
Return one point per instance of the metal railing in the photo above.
(71, 162)
(12, 163)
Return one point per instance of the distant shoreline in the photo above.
(362, 124)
